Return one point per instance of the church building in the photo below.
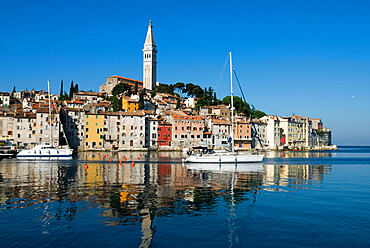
(149, 68)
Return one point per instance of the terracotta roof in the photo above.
(129, 79)
(86, 93)
(182, 117)
(219, 122)
(129, 99)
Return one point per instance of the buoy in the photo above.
(98, 153)
(103, 156)
(86, 166)
(138, 158)
(133, 163)
(140, 154)
(125, 159)
(110, 160)
(120, 162)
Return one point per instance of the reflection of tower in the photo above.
(150, 60)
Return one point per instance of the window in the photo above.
(169, 135)
(97, 131)
(87, 136)
(198, 136)
(159, 135)
(87, 143)
(175, 136)
(159, 129)
(87, 123)
(169, 129)
(87, 116)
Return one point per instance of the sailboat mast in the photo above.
(50, 119)
(232, 104)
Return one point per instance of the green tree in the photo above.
(178, 103)
(75, 89)
(116, 103)
(258, 114)
(61, 91)
(121, 88)
(71, 90)
(141, 100)
(12, 95)
(136, 88)
(179, 87)
(239, 105)
(165, 88)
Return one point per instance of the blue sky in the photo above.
(302, 57)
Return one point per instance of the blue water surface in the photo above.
(292, 199)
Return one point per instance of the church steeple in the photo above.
(150, 60)
(149, 35)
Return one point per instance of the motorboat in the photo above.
(45, 151)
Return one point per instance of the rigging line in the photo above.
(221, 73)
(249, 111)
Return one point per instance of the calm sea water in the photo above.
(292, 199)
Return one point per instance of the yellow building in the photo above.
(129, 104)
(94, 136)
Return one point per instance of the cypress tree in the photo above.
(178, 103)
(71, 90)
(76, 88)
(61, 90)
(136, 88)
(13, 91)
(141, 100)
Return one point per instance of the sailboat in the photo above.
(227, 157)
(46, 151)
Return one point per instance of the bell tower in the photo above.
(150, 60)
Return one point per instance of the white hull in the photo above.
(229, 167)
(45, 152)
(225, 158)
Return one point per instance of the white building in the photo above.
(272, 131)
(190, 102)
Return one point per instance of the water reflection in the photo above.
(138, 194)
(298, 154)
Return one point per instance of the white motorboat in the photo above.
(46, 151)
(228, 157)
